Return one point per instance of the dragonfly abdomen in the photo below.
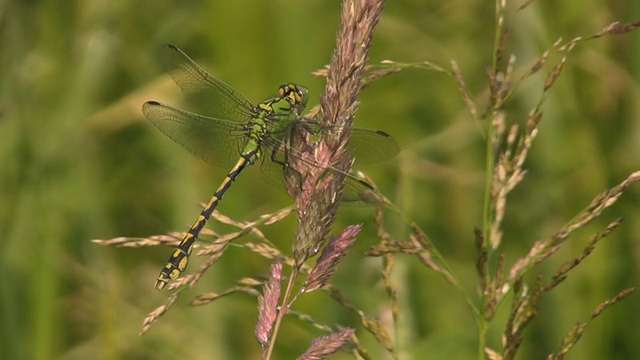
(179, 259)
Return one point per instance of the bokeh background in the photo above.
(78, 162)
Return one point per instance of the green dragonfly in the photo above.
(238, 133)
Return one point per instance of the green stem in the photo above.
(487, 210)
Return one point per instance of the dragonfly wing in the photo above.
(360, 193)
(227, 102)
(367, 145)
(371, 146)
(274, 158)
(216, 141)
(272, 172)
(357, 192)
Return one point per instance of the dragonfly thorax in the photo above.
(283, 109)
(272, 117)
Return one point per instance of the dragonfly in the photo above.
(238, 133)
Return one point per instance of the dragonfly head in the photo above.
(296, 94)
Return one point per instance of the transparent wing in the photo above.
(357, 192)
(226, 102)
(368, 146)
(273, 157)
(218, 142)
(371, 146)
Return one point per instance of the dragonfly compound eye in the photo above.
(302, 95)
(285, 90)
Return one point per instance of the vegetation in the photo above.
(502, 236)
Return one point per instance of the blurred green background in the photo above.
(78, 161)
